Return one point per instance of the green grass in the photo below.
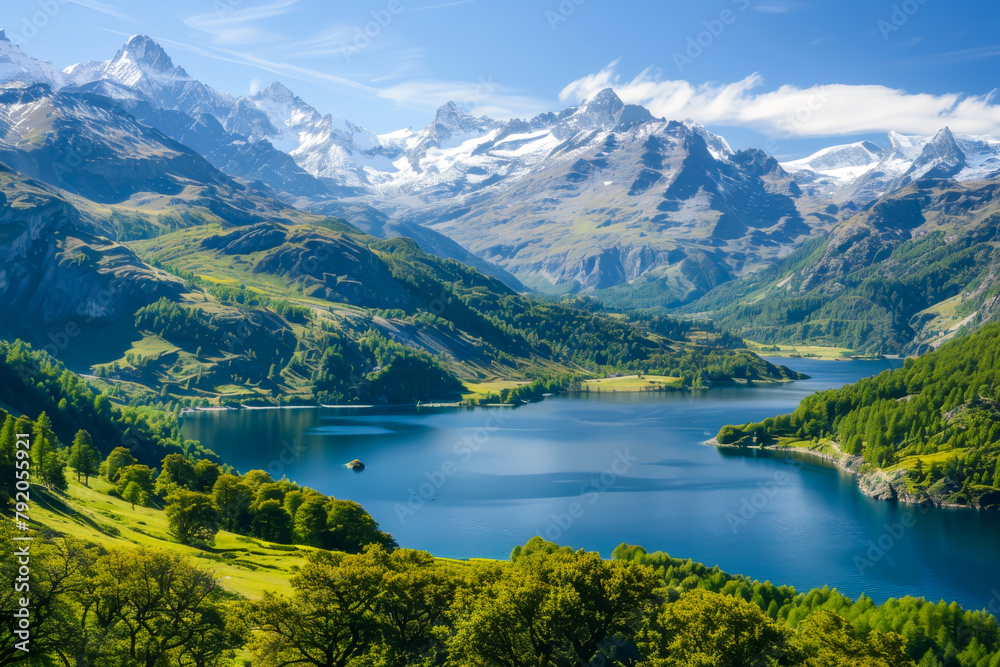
(822, 447)
(630, 383)
(244, 565)
(477, 390)
(928, 460)
(816, 351)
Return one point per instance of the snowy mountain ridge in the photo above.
(864, 171)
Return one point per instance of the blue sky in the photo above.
(789, 75)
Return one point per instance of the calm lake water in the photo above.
(594, 472)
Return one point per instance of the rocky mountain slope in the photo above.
(605, 192)
(863, 172)
(603, 197)
(58, 274)
(904, 275)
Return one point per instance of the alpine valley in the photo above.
(491, 333)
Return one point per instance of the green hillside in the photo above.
(903, 276)
(929, 431)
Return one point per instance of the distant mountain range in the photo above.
(863, 172)
(603, 197)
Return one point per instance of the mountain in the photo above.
(89, 147)
(142, 70)
(601, 195)
(830, 169)
(325, 146)
(904, 275)
(863, 172)
(235, 135)
(218, 312)
(592, 197)
(18, 67)
(58, 269)
(137, 260)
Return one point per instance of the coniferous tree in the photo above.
(49, 464)
(8, 444)
(84, 457)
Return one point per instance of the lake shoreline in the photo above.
(877, 484)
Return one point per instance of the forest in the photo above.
(360, 600)
(547, 606)
(937, 417)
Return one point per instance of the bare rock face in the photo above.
(52, 270)
(877, 485)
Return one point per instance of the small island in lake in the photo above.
(356, 465)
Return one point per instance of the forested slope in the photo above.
(931, 429)
(902, 276)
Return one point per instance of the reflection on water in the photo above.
(466, 483)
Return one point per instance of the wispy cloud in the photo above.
(828, 110)
(107, 10)
(331, 40)
(236, 27)
(966, 55)
(442, 6)
(285, 69)
(482, 97)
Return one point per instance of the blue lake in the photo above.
(593, 472)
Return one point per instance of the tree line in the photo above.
(548, 606)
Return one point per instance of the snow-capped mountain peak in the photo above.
(860, 154)
(941, 157)
(142, 70)
(836, 167)
(451, 120)
(863, 171)
(278, 92)
(606, 112)
(143, 52)
(605, 105)
(717, 146)
(17, 66)
(904, 146)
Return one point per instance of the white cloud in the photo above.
(233, 25)
(107, 10)
(821, 110)
(484, 97)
